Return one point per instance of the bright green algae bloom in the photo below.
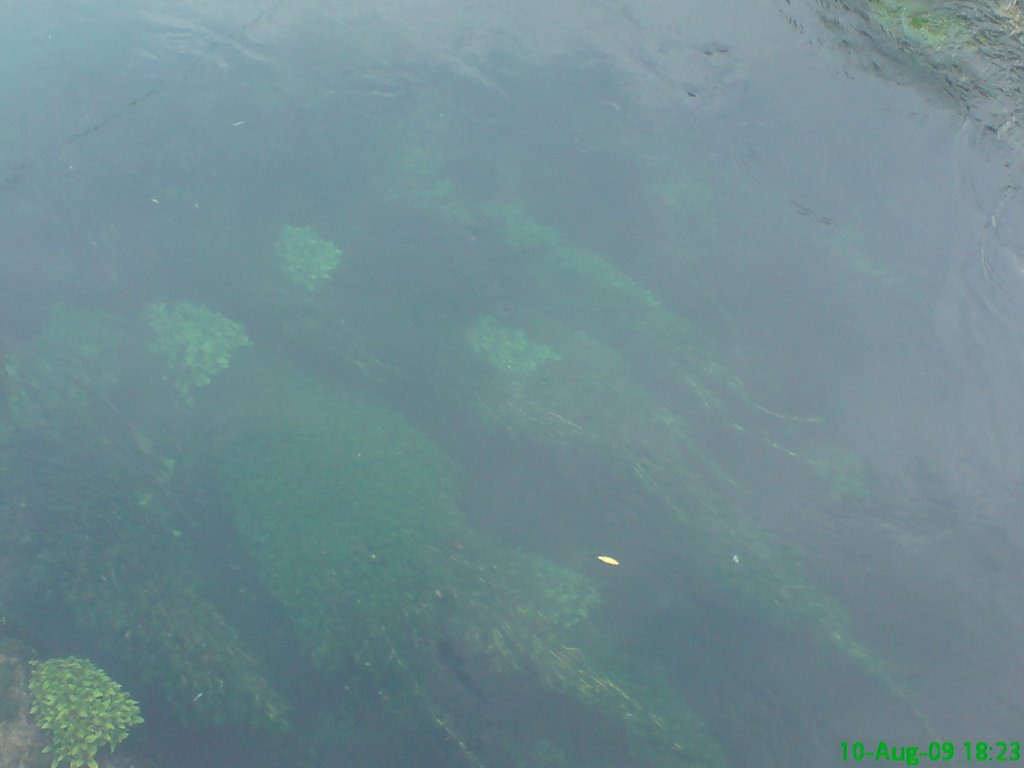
(83, 709)
(307, 258)
(195, 343)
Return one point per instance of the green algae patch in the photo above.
(520, 610)
(57, 380)
(617, 349)
(556, 256)
(108, 529)
(508, 348)
(346, 511)
(177, 642)
(307, 258)
(194, 343)
(590, 398)
(921, 25)
(351, 517)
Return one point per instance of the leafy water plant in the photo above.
(307, 258)
(195, 344)
(83, 709)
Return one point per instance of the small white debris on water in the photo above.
(240, 122)
(736, 559)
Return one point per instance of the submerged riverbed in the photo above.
(433, 384)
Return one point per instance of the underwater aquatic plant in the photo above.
(508, 348)
(307, 258)
(195, 343)
(83, 709)
(57, 379)
(351, 519)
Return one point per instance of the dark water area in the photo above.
(339, 343)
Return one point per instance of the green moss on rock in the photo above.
(920, 25)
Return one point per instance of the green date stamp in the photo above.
(934, 751)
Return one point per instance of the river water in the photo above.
(828, 194)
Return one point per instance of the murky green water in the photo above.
(340, 343)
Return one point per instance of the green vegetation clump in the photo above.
(177, 642)
(108, 526)
(921, 25)
(347, 511)
(195, 343)
(56, 380)
(518, 610)
(508, 348)
(83, 709)
(618, 346)
(351, 518)
(307, 258)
